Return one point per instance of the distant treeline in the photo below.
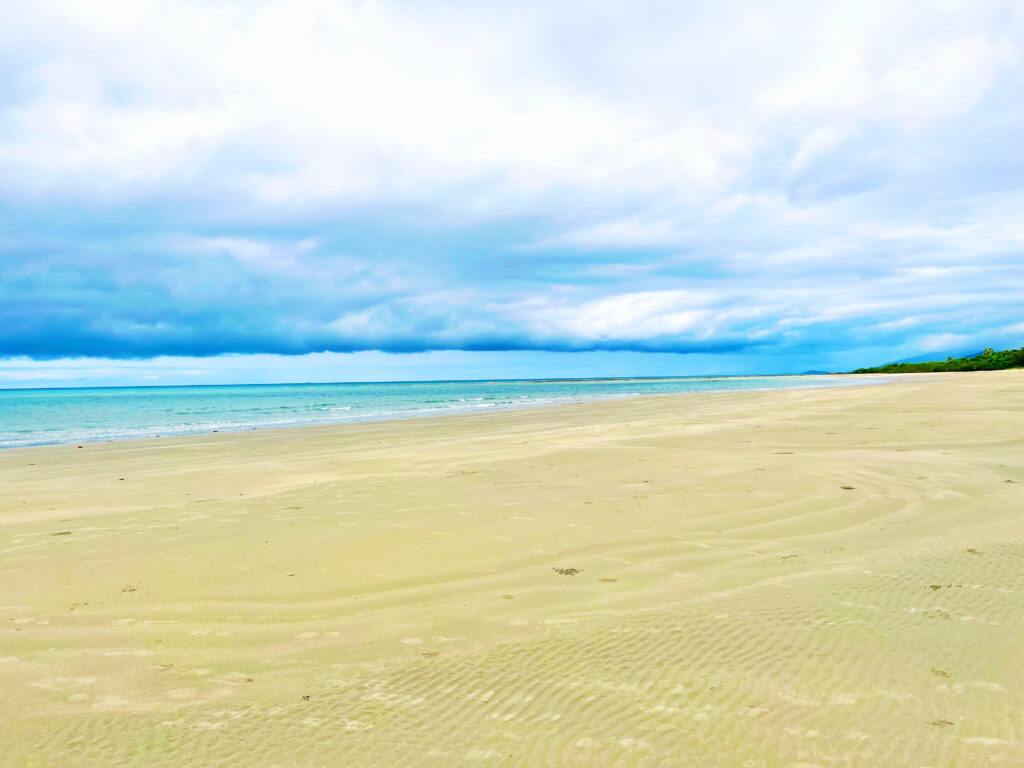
(989, 360)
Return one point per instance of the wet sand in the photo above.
(804, 577)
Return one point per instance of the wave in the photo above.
(34, 417)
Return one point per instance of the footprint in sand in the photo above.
(234, 677)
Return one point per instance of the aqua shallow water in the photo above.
(42, 416)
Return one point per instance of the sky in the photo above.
(226, 192)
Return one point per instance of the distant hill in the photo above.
(989, 360)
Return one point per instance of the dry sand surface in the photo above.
(789, 578)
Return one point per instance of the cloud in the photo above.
(198, 179)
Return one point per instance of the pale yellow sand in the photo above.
(386, 594)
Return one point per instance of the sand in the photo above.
(788, 578)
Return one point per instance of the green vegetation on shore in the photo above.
(989, 360)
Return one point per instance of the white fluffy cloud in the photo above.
(657, 175)
(465, 108)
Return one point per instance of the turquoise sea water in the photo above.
(41, 416)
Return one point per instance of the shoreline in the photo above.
(851, 380)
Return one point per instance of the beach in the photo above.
(803, 577)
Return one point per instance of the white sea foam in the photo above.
(32, 417)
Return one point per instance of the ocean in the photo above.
(47, 416)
